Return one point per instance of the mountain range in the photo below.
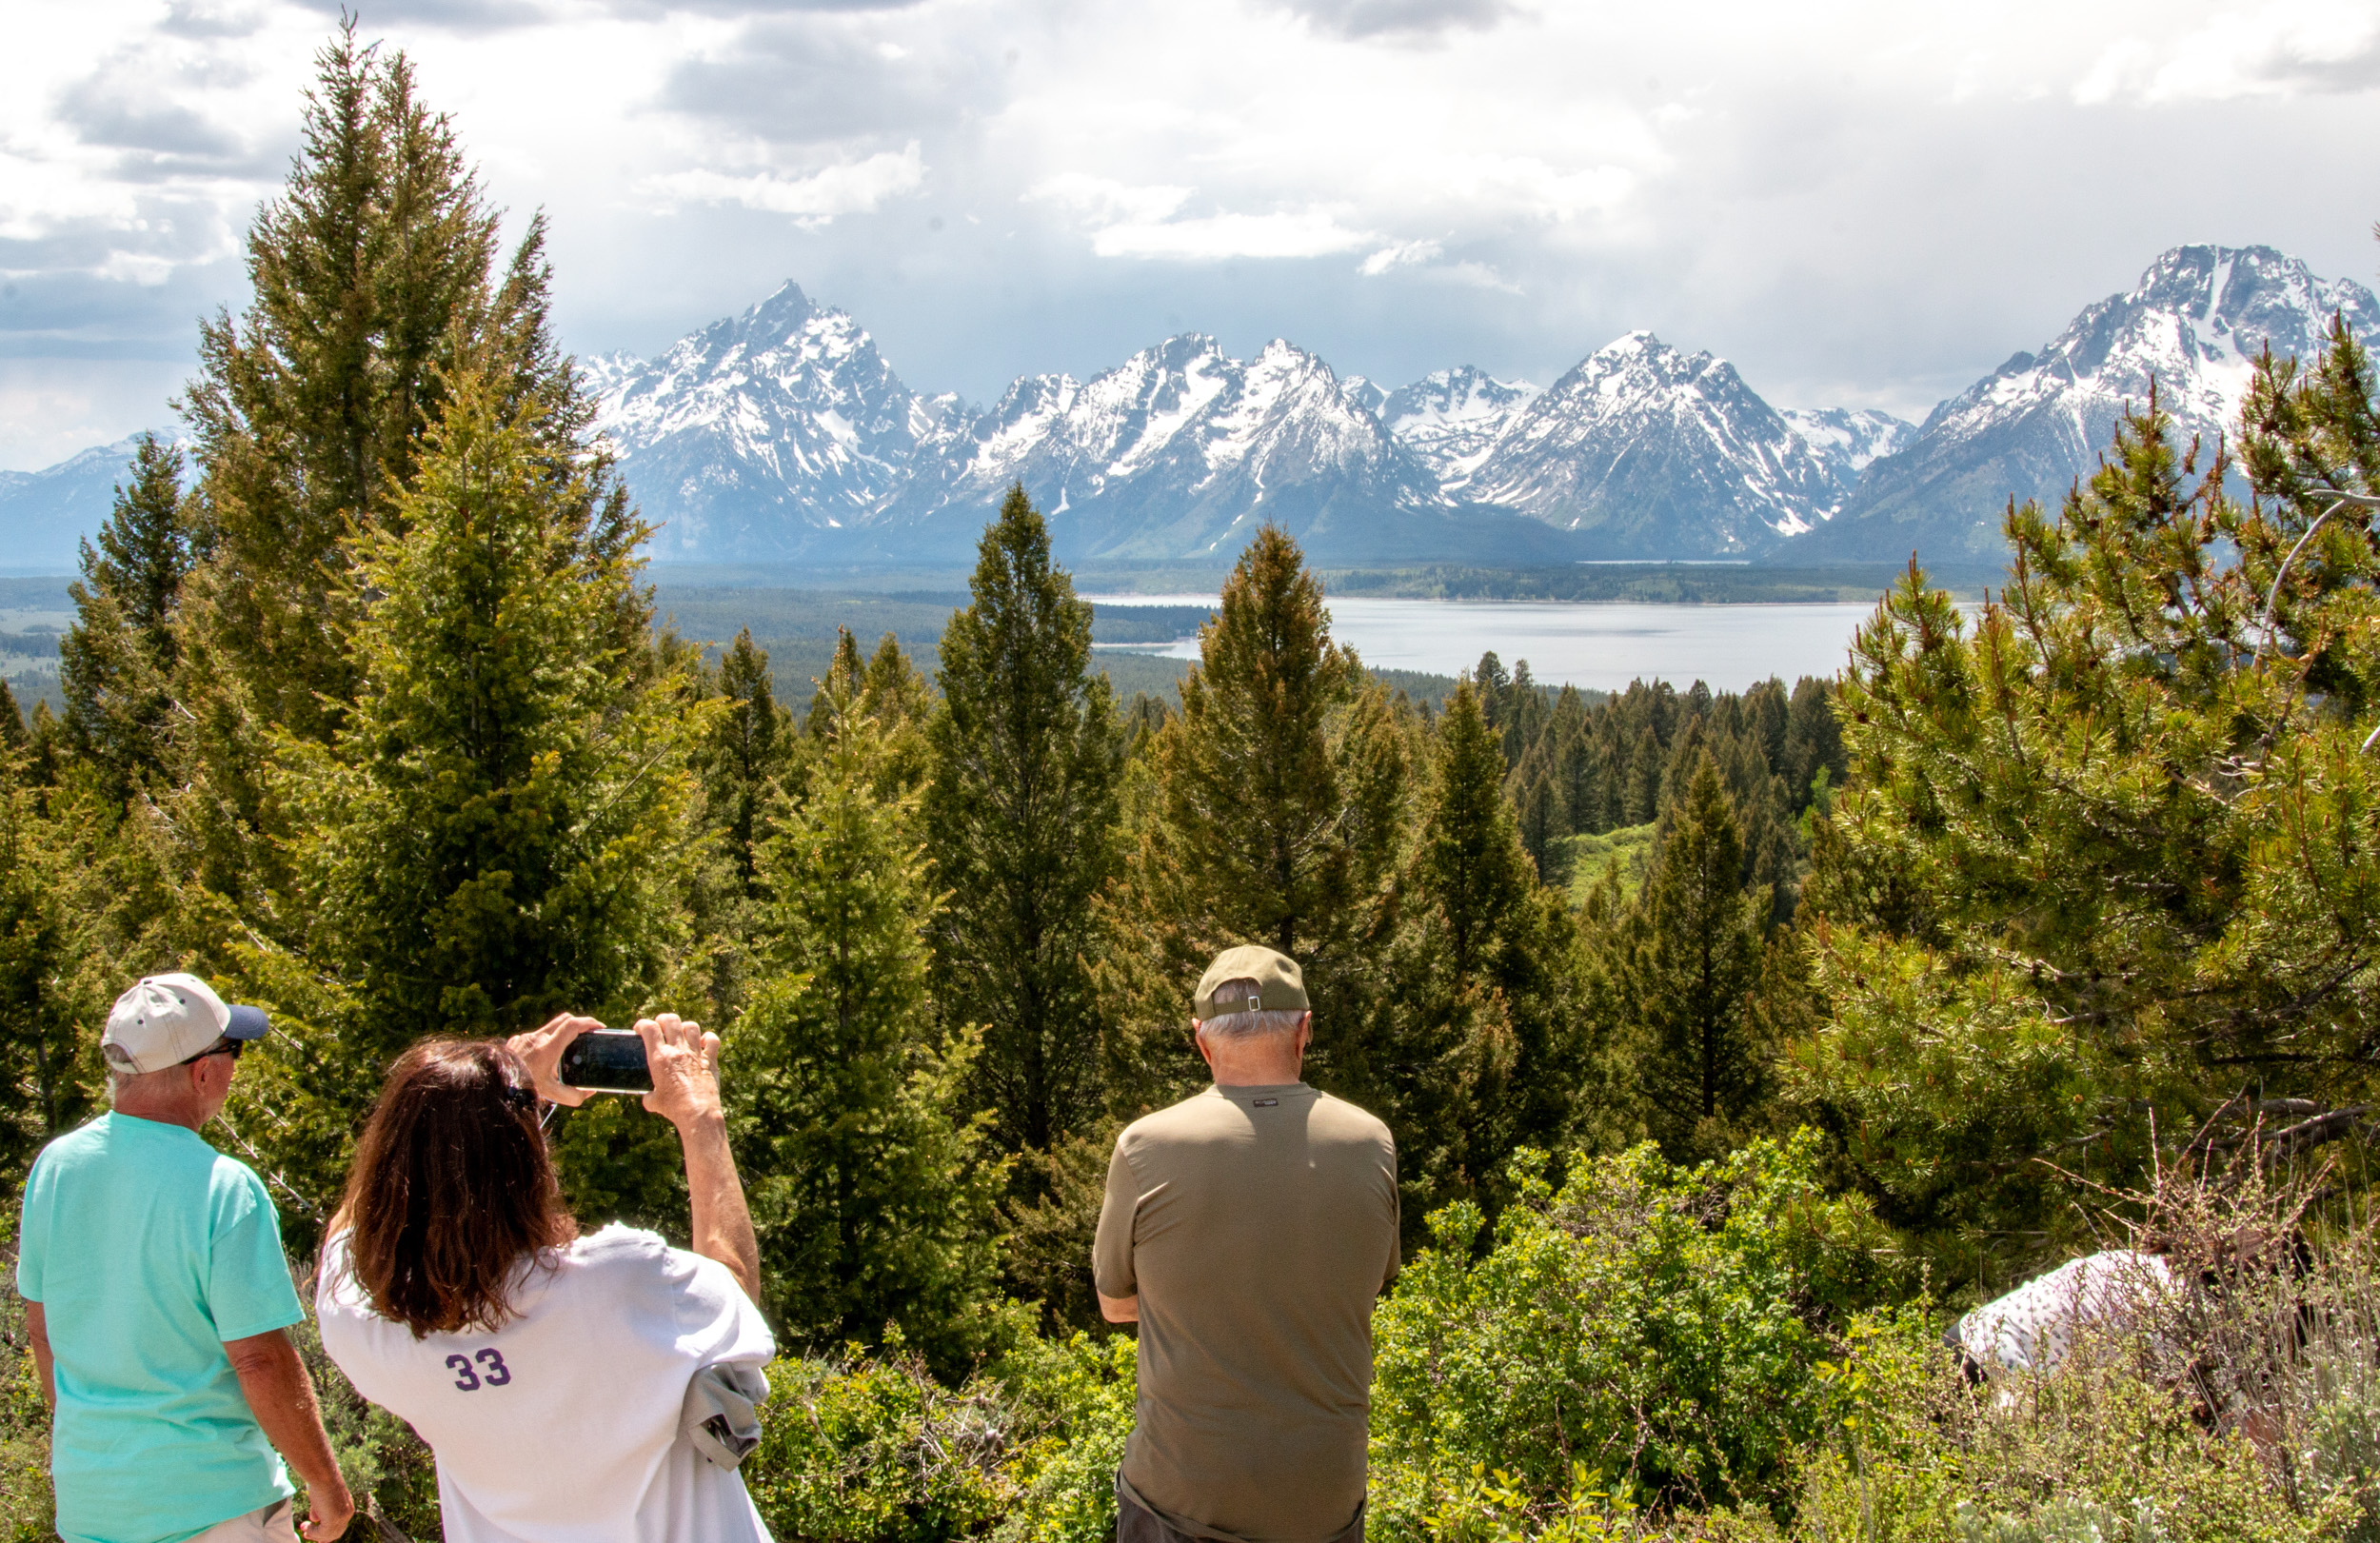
(783, 435)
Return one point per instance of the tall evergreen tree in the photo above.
(375, 280)
(1687, 957)
(500, 828)
(744, 751)
(1020, 814)
(1641, 793)
(116, 663)
(1276, 816)
(874, 1201)
(886, 688)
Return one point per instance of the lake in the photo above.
(1600, 646)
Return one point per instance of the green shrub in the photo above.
(873, 1449)
(1074, 1407)
(1650, 1333)
(2097, 1453)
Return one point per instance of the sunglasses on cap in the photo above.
(221, 1047)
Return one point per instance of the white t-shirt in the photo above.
(2034, 1327)
(562, 1426)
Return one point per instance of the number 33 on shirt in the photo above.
(470, 1382)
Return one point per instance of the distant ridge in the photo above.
(782, 435)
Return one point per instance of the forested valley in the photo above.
(1733, 1040)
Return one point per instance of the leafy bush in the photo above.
(873, 1449)
(2098, 1453)
(1649, 1332)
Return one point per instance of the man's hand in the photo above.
(541, 1050)
(684, 1064)
(281, 1395)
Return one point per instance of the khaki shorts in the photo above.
(276, 1523)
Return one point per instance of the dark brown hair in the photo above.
(453, 1190)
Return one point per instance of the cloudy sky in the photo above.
(1861, 203)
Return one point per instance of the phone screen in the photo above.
(608, 1061)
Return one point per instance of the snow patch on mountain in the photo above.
(1172, 452)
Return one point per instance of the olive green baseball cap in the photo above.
(1280, 986)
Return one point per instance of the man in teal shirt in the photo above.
(159, 1302)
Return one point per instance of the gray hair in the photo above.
(1255, 1025)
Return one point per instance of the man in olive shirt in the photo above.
(1248, 1230)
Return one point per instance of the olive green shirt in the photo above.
(1258, 1225)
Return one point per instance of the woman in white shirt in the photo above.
(549, 1373)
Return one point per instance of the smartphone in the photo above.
(608, 1061)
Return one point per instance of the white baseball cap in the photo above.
(165, 1019)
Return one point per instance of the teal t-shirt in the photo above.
(147, 1249)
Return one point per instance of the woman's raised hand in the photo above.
(541, 1051)
(685, 1063)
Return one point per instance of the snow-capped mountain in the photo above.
(2194, 325)
(1179, 451)
(1846, 440)
(752, 436)
(1651, 452)
(1453, 419)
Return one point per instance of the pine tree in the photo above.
(1275, 819)
(375, 280)
(1020, 814)
(1540, 815)
(1469, 1051)
(500, 829)
(888, 691)
(15, 739)
(745, 750)
(1640, 791)
(875, 1203)
(2101, 879)
(116, 663)
(1686, 958)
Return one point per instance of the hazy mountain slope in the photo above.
(45, 515)
(1848, 440)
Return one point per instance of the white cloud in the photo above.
(1402, 254)
(1128, 220)
(852, 188)
(1215, 237)
(1108, 201)
(144, 269)
(2281, 50)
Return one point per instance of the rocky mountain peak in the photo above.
(1659, 453)
(2193, 326)
(1452, 417)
